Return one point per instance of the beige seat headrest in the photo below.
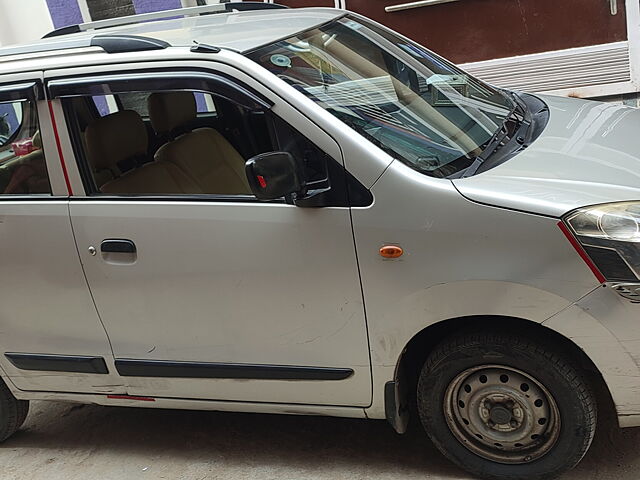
(170, 110)
(116, 137)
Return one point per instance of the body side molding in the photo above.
(168, 369)
(58, 363)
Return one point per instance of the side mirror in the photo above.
(274, 175)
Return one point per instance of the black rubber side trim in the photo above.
(58, 363)
(127, 43)
(169, 198)
(160, 368)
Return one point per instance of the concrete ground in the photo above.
(77, 442)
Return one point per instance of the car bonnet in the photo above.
(589, 153)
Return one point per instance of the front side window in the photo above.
(409, 102)
(22, 164)
(180, 142)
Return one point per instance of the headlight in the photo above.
(610, 237)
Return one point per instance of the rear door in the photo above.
(220, 296)
(51, 337)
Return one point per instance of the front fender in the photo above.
(488, 299)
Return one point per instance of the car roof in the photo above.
(237, 31)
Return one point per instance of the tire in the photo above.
(531, 415)
(13, 412)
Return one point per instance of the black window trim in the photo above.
(183, 198)
(73, 130)
(158, 80)
(23, 90)
(31, 197)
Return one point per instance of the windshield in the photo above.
(409, 102)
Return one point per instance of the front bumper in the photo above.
(605, 324)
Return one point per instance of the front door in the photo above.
(205, 292)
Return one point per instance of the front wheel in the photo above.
(504, 407)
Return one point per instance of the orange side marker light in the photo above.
(391, 251)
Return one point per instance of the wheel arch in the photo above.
(400, 393)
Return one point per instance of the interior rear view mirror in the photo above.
(274, 175)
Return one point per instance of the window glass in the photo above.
(137, 101)
(205, 103)
(406, 100)
(105, 104)
(22, 166)
(181, 143)
(10, 120)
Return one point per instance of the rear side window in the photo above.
(23, 170)
(10, 120)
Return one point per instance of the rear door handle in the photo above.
(117, 245)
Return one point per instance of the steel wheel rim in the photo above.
(502, 414)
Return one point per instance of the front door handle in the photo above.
(117, 245)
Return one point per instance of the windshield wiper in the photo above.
(518, 115)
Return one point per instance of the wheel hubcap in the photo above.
(502, 414)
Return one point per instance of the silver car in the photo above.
(303, 212)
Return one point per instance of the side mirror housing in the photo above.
(274, 175)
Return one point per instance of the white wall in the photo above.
(23, 21)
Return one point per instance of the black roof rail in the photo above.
(161, 15)
(127, 43)
(110, 43)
